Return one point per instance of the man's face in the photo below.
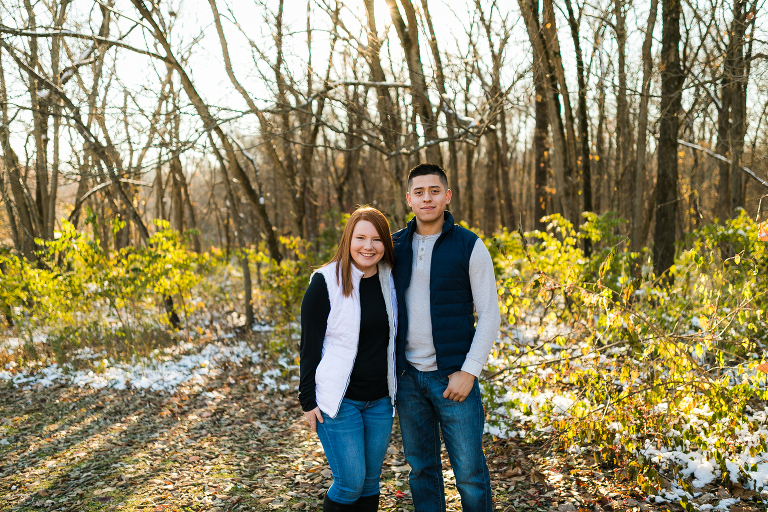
(428, 198)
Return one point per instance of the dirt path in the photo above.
(228, 448)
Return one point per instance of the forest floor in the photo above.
(231, 446)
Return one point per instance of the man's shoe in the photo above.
(367, 503)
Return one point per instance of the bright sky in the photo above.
(194, 22)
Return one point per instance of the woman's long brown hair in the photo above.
(343, 257)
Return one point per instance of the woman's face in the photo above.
(367, 248)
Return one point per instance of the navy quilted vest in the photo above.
(450, 293)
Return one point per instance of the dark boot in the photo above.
(331, 506)
(367, 503)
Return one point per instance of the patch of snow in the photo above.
(149, 374)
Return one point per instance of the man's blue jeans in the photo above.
(423, 413)
(355, 444)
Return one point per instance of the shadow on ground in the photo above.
(230, 447)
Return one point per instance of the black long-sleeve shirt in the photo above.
(368, 380)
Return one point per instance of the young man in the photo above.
(443, 274)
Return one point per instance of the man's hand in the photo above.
(459, 385)
(313, 417)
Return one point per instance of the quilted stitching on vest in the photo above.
(451, 304)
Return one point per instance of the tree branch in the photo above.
(726, 160)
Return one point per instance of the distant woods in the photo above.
(652, 109)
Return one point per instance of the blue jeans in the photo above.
(355, 444)
(423, 414)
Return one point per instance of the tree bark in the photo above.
(56, 109)
(469, 171)
(623, 137)
(409, 40)
(39, 130)
(508, 207)
(490, 197)
(585, 157)
(637, 241)
(552, 46)
(665, 231)
(722, 147)
(388, 120)
(450, 117)
(234, 211)
(17, 207)
(602, 202)
(559, 152)
(542, 198)
(739, 82)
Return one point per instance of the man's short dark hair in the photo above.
(426, 170)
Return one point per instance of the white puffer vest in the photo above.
(342, 337)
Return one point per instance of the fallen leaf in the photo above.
(537, 477)
(399, 494)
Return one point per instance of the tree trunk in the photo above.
(19, 216)
(508, 212)
(388, 124)
(642, 133)
(584, 156)
(39, 130)
(490, 197)
(542, 59)
(625, 183)
(722, 147)
(666, 186)
(450, 118)
(603, 199)
(56, 110)
(177, 201)
(470, 186)
(540, 157)
(738, 102)
(552, 46)
(234, 212)
(409, 40)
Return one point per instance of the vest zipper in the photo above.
(349, 377)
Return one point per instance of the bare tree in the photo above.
(666, 186)
(638, 235)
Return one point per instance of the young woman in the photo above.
(348, 384)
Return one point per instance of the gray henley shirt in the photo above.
(419, 347)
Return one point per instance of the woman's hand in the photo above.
(313, 417)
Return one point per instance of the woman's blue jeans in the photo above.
(423, 413)
(355, 444)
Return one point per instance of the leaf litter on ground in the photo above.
(237, 440)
